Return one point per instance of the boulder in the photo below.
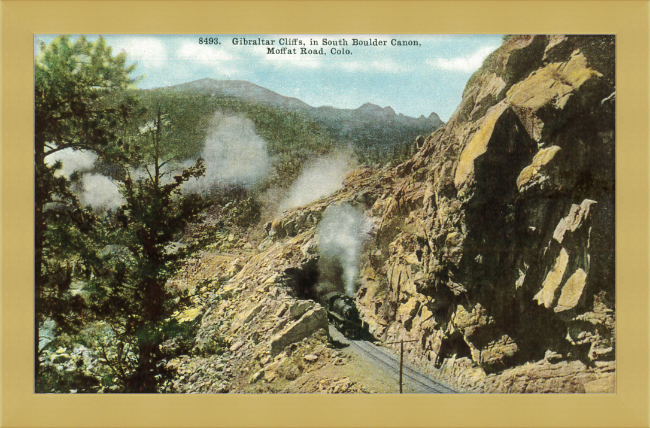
(257, 376)
(311, 358)
(299, 308)
(537, 172)
(312, 321)
(236, 346)
(547, 91)
(495, 353)
(247, 315)
(541, 377)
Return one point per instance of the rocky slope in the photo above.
(492, 248)
(260, 326)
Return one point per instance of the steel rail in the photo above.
(410, 374)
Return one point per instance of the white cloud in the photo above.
(185, 70)
(218, 59)
(466, 64)
(149, 49)
(384, 66)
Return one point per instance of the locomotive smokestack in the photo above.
(341, 234)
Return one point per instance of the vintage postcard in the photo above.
(339, 213)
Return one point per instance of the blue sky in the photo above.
(413, 80)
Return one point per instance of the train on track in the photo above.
(344, 315)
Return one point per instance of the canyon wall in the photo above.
(495, 249)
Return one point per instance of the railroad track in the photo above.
(413, 381)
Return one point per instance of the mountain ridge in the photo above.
(249, 91)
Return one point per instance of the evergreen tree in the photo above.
(73, 81)
(132, 296)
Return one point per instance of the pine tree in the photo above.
(73, 82)
(132, 296)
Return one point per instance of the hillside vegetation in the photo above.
(294, 131)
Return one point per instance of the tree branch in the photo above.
(73, 145)
(119, 373)
(148, 172)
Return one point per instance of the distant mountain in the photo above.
(367, 126)
(371, 112)
(243, 90)
(251, 92)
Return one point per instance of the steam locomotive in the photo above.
(342, 312)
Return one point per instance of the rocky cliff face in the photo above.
(492, 249)
(500, 249)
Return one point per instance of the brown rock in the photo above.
(257, 376)
(300, 307)
(573, 220)
(546, 295)
(270, 376)
(236, 346)
(534, 173)
(312, 321)
(572, 291)
(478, 145)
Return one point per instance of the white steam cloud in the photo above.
(72, 160)
(96, 190)
(100, 191)
(341, 235)
(319, 179)
(233, 154)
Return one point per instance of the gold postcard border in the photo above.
(20, 20)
